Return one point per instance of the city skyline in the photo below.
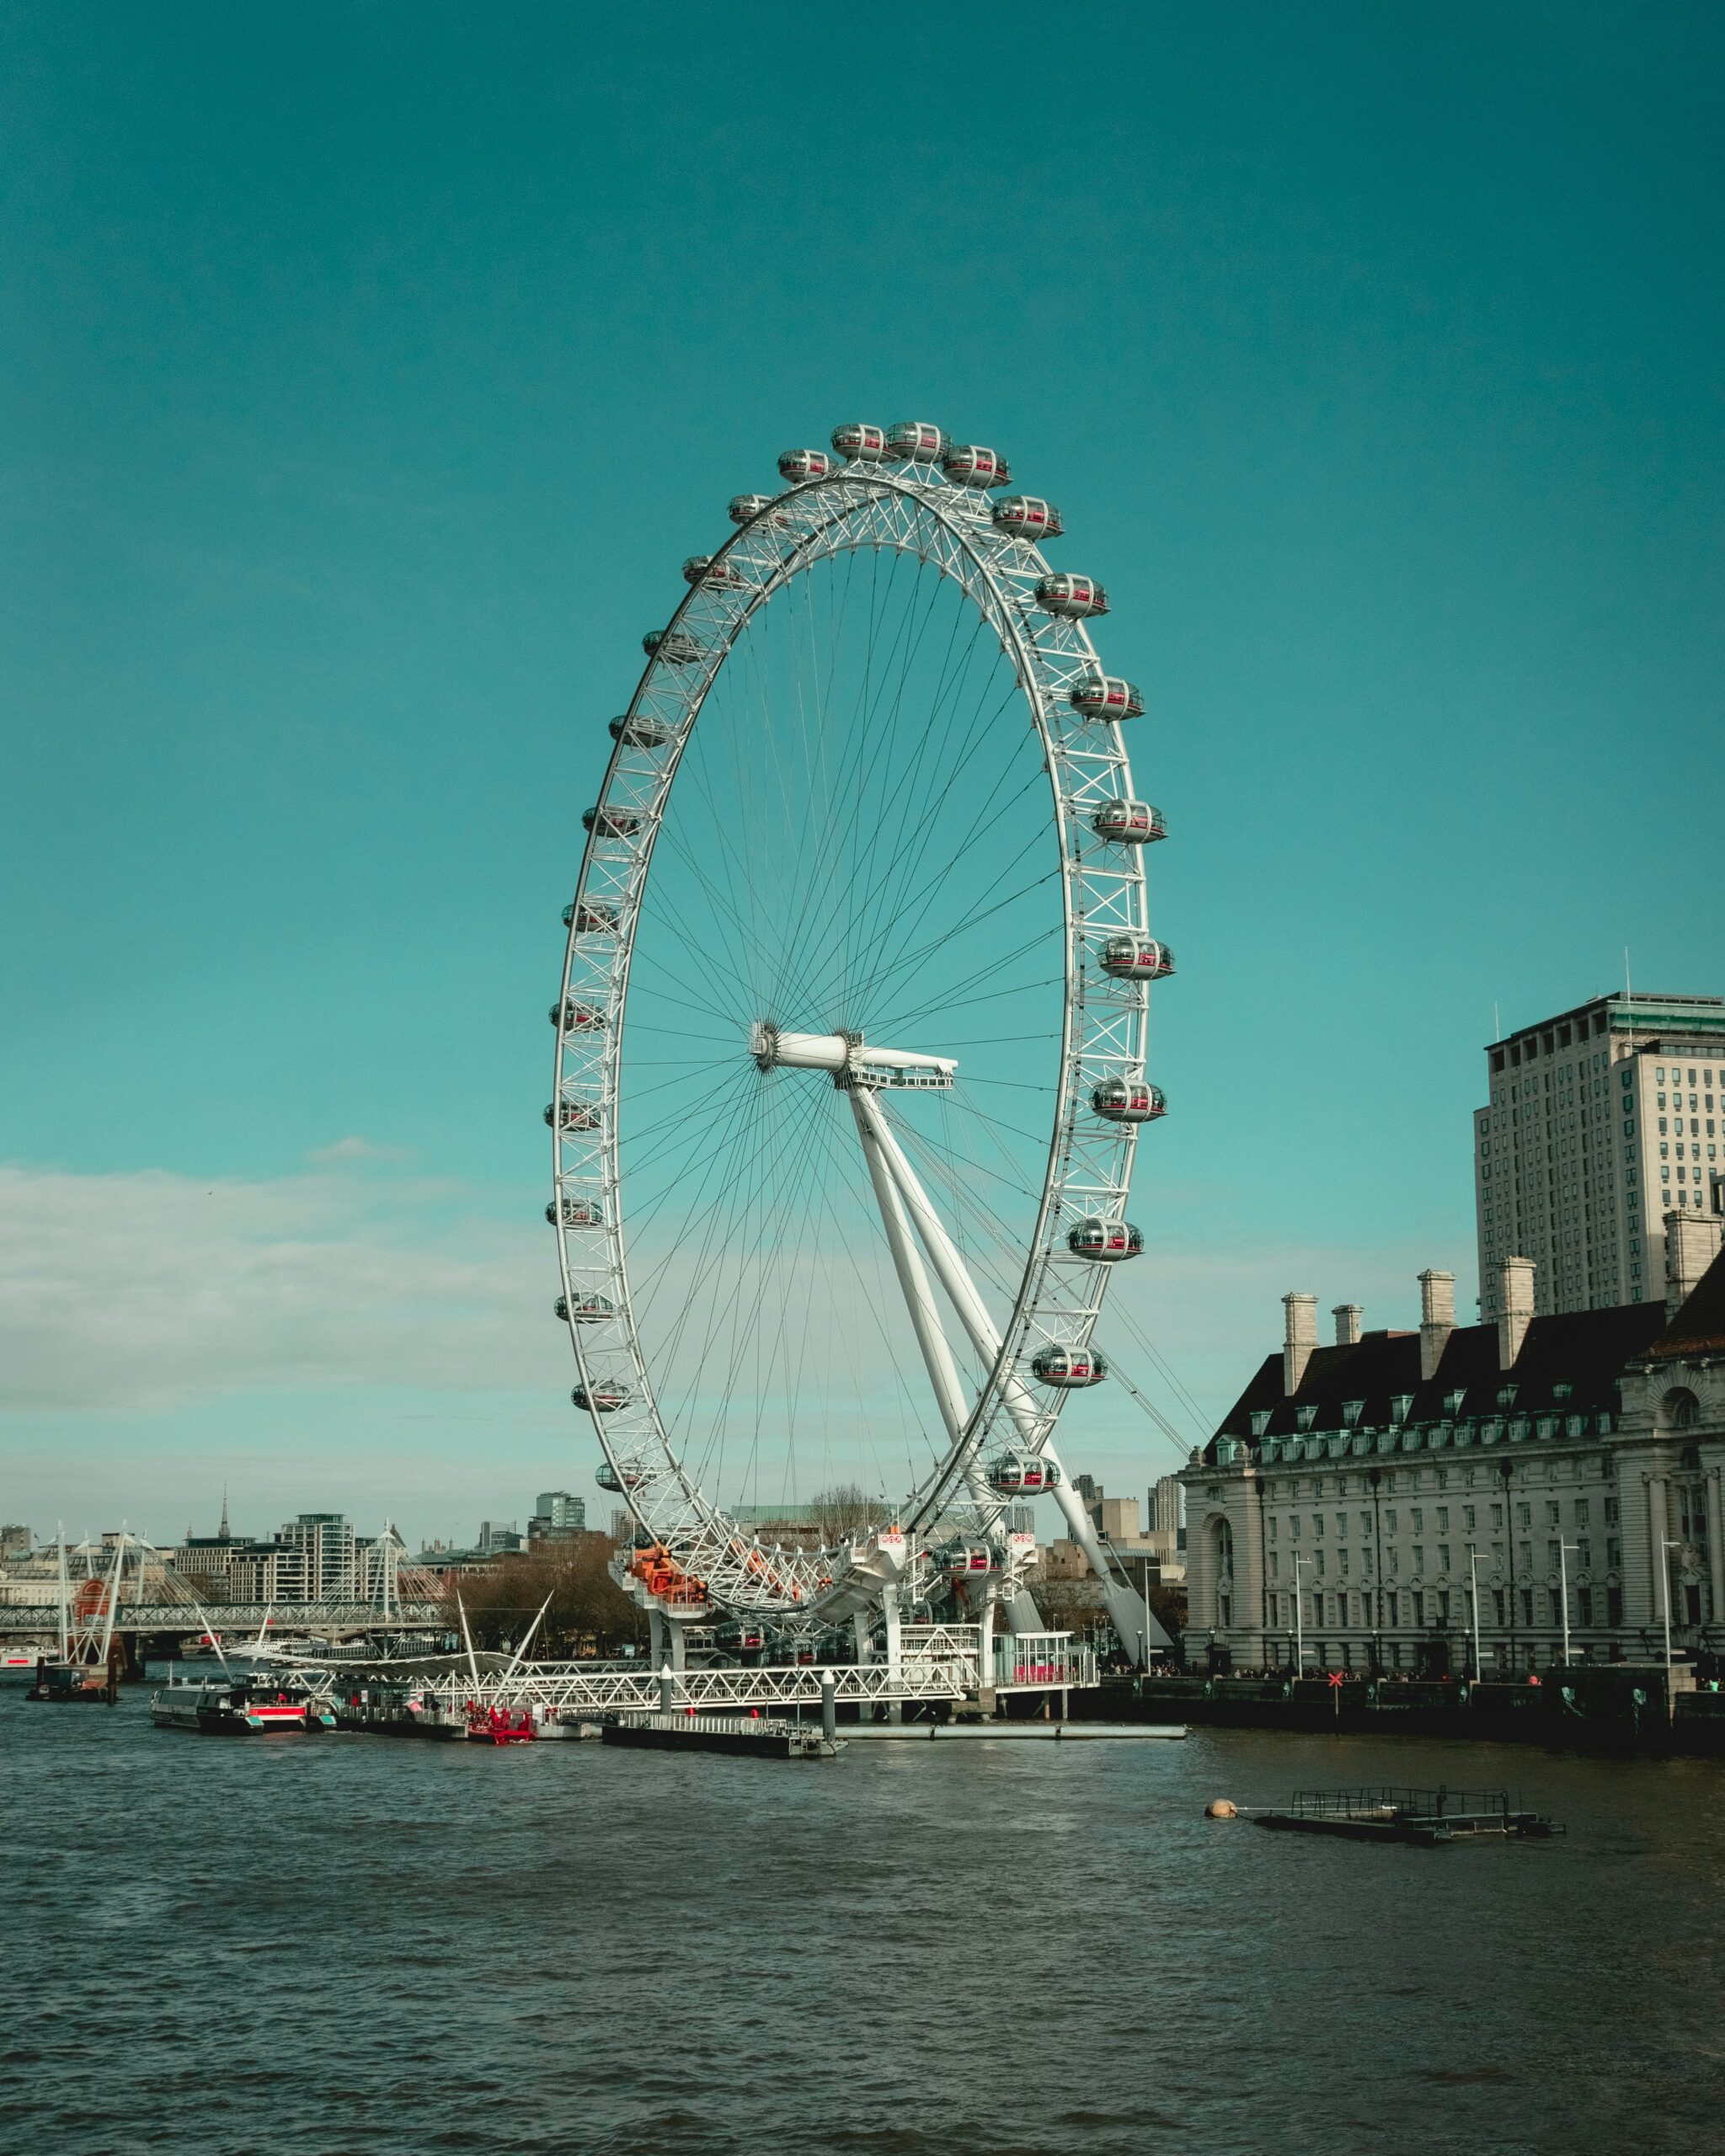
(351, 486)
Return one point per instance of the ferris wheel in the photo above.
(851, 1040)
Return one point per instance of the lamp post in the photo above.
(1665, 1550)
(1479, 1665)
(1299, 1621)
(1563, 1550)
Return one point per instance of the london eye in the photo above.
(851, 1043)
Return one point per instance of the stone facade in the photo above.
(1361, 1502)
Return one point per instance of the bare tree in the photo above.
(845, 1510)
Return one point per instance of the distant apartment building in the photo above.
(1598, 1123)
(557, 1517)
(314, 1558)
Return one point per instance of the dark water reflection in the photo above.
(347, 1944)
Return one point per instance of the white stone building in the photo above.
(1599, 1123)
(1401, 1500)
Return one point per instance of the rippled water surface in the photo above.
(347, 1944)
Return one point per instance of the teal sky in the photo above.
(369, 371)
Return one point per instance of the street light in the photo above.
(1563, 1548)
(1479, 1666)
(1665, 1599)
(1299, 1621)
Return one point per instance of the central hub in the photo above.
(850, 1062)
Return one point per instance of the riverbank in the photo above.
(1618, 1707)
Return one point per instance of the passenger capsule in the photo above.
(636, 730)
(1136, 957)
(1026, 516)
(1022, 1474)
(858, 443)
(574, 1213)
(587, 1310)
(914, 441)
(967, 466)
(1074, 598)
(577, 1018)
(1127, 1100)
(610, 823)
(744, 509)
(1105, 1240)
(1129, 822)
(1106, 695)
(591, 917)
(712, 568)
(1069, 1369)
(607, 1477)
(572, 1115)
(675, 646)
(799, 464)
(959, 1560)
(604, 1397)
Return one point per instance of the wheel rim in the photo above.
(944, 532)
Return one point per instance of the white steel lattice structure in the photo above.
(875, 761)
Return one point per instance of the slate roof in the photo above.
(1585, 1350)
(1699, 1327)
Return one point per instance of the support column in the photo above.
(1716, 1552)
(894, 1649)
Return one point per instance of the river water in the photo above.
(344, 1944)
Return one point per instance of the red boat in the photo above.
(496, 1726)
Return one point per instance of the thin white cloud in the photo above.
(347, 1151)
(146, 1290)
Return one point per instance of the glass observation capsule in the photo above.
(1026, 516)
(1129, 822)
(591, 917)
(799, 464)
(610, 823)
(577, 1018)
(859, 443)
(1022, 1474)
(1074, 598)
(603, 1398)
(572, 1115)
(1132, 957)
(1127, 1100)
(586, 1309)
(712, 568)
(915, 441)
(966, 465)
(607, 1477)
(573, 1213)
(744, 509)
(675, 646)
(1106, 695)
(1069, 1369)
(1105, 1240)
(636, 730)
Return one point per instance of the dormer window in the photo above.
(1506, 1395)
(1260, 1421)
(1452, 1401)
(1307, 1416)
(1351, 1412)
(1562, 1391)
(1399, 1404)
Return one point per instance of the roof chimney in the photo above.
(1437, 1318)
(1347, 1316)
(1299, 1338)
(1691, 1244)
(1514, 1307)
